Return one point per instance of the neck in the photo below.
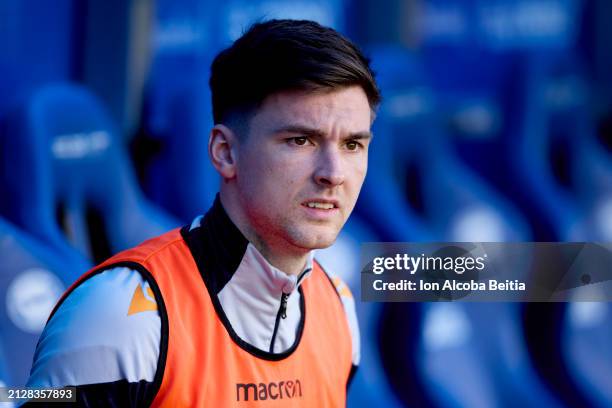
(291, 265)
(282, 256)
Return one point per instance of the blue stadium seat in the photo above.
(32, 278)
(177, 115)
(456, 360)
(70, 176)
(482, 342)
(457, 204)
(430, 349)
(383, 201)
(550, 145)
(584, 165)
(180, 177)
(490, 97)
(501, 135)
(585, 326)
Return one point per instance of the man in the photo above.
(232, 308)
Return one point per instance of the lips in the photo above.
(320, 204)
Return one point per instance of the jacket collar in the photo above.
(219, 248)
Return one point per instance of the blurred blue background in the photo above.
(496, 125)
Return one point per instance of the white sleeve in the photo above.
(107, 330)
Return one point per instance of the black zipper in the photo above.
(282, 311)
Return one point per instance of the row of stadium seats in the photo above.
(35, 273)
(74, 200)
(459, 341)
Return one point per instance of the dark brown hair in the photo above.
(279, 55)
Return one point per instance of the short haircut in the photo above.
(284, 55)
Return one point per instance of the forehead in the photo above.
(346, 109)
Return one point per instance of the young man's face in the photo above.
(302, 164)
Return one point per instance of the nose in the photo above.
(330, 171)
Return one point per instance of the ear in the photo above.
(222, 150)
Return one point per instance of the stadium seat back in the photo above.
(184, 151)
(382, 202)
(457, 203)
(483, 342)
(480, 66)
(431, 348)
(70, 176)
(32, 278)
(460, 206)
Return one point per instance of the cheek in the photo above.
(270, 176)
(284, 177)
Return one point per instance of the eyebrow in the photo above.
(316, 133)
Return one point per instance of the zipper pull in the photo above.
(283, 306)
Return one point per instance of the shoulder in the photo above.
(348, 302)
(147, 249)
(107, 329)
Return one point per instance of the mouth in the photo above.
(321, 204)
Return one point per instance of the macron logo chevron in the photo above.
(142, 303)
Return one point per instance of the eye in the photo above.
(299, 141)
(353, 145)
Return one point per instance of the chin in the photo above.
(316, 240)
(322, 244)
